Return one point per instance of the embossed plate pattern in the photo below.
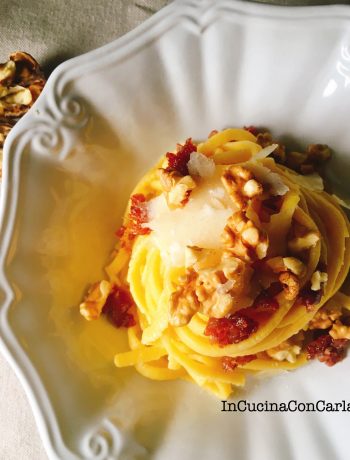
(69, 166)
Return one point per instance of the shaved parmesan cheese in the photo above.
(200, 165)
(265, 176)
(199, 223)
(265, 152)
(341, 202)
(311, 182)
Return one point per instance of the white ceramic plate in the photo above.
(70, 164)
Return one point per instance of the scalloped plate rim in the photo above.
(13, 352)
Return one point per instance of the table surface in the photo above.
(53, 31)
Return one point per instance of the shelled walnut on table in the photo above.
(21, 82)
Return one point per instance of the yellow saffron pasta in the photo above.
(230, 262)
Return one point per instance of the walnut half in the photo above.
(243, 239)
(177, 188)
(95, 300)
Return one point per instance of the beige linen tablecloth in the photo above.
(53, 31)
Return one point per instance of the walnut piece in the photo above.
(285, 352)
(294, 265)
(340, 331)
(301, 243)
(21, 82)
(183, 302)
(291, 285)
(252, 188)
(282, 264)
(223, 288)
(240, 184)
(243, 239)
(317, 279)
(240, 236)
(318, 153)
(326, 316)
(215, 291)
(95, 300)
(177, 188)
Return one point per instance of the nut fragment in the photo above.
(251, 236)
(301, 243)
(223, 287)
(325, 317)
(282, 264)
(177, 188)
(7, 70)
(318, 152)
(294, 265)
(215, 291)
(183, 302)
(291, 285)
(252, 188)
(95, 300)
(285, 352)
(340, 331)
(168, 179)
(240, 184)
(317, 279)
(21, 82)
(243, 239)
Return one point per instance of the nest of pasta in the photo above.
(230, 261)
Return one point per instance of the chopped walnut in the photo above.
(177, 188)
(265, 139)
(307, 241)
(235, 245)
(223, 287)
(215, 291)
(183, 302)
(296, 159)
(294, 265)
(286, 351)
(240, 184)
(310, 161)
(318, 152)
(243, 239)
(95, 300)
(7, 70)
(168, 179)
(252, 188)
(291, 285)
(340, 331)
(326, 316)
(282, 264)
(318, 278)
(21, 82)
